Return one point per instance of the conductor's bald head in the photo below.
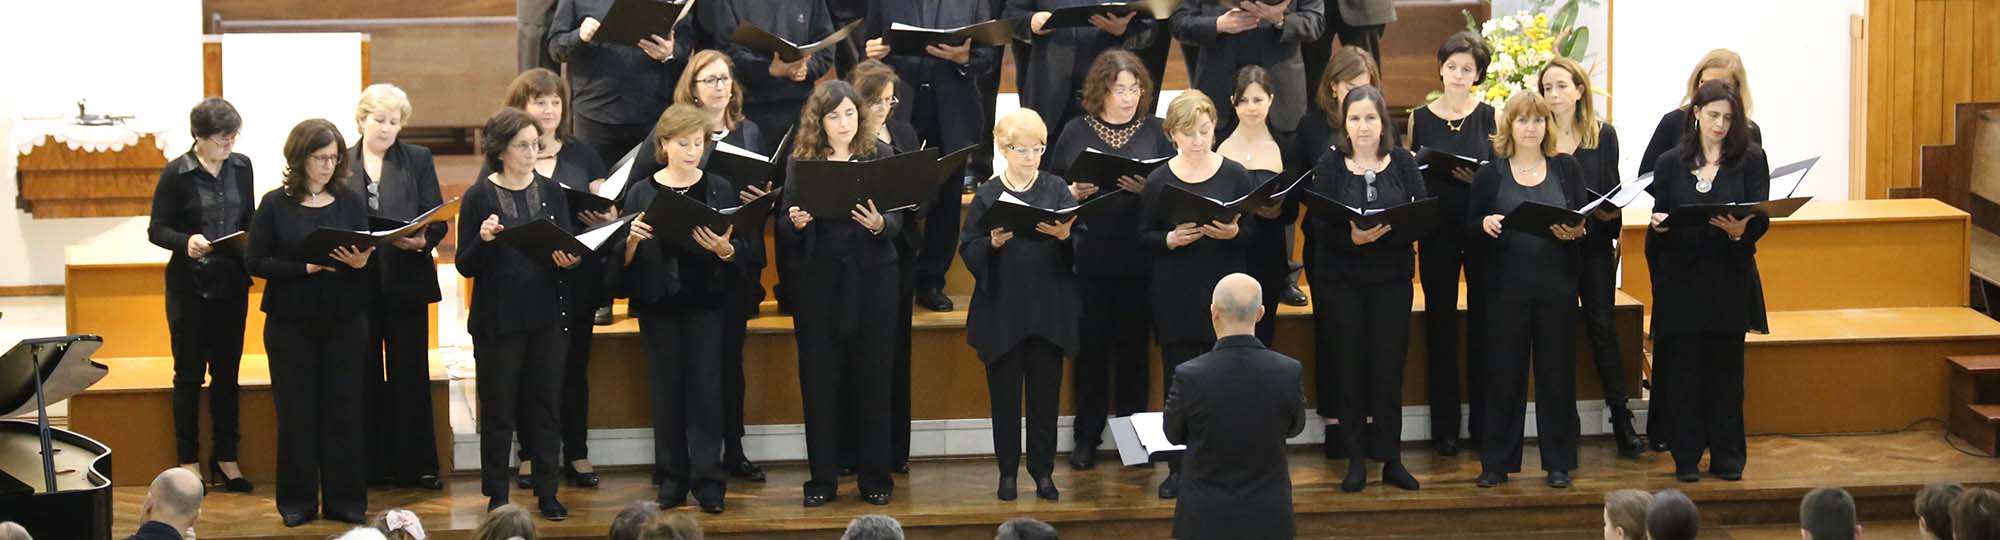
(1236, 306)
(174, 498)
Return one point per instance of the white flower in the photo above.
(1486, 28)
(1510, 24)
(1502, 64)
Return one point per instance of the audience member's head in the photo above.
(362, 533)
(1828, 514)
(399, 524)
(1237, 304)
(1934, 509)
(13, 531)
(1025, 529)
(873, 527)
(1976, 515)
(507, 521)
(675, 526)
(173, 499)
(631, 521)
(1671, 516)
(1625, 514)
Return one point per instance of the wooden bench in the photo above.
(1857, 370)
(1975, 400)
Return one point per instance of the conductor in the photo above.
(1233, 408)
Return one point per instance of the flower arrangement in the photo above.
(1524, 42)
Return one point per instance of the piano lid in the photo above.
(66, 371)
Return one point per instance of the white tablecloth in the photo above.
(29, 133)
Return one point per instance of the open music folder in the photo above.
(1104, 170)
(674, 216)
(1408, 222)
(632, 21)
(1019, 217)
(1437, 167)
(912, 39)
(1183, 206)
(760, 40)
(539, 238)
(1079, 16)
(1140, 437)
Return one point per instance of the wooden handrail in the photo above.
(271, 25)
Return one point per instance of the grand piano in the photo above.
(54, 482)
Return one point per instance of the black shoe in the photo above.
(602, 317)
(903, 467)
(934, 300)
(524, 478)
(1629, 445)
(1082, 460)
(816, 501)
(1658, 444)
(1490, 479)
(1171, 487)
(1332, 448)
(233, 485)
(1558, 479)
(877, 499)
(1045, 489)
(580, 479)
(428, 481)
(1357, 476)
(1006, 491)
(553, 510)
(495, 502)
(357, 518)
(711, 506)
(671, 501)
(1727, 476)
(742, 468)
(1688, 477)
(1394, 474)
(1445, 447)
(1295, 297)
(296, 519)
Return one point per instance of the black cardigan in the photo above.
(409, 186)
(276, 232)
(511, 291)
(1702, 280)
(177, 214)
(665, 277)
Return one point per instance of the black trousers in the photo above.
(1037, 365)
(774, 119)
(573, 404)
(611, 141)
(1700, 377)
(1370, 324)
(1154, 57)
(1113, 356)
(684, 369)
(1438, 262)
(1597, 289)
(1541, 327)
(1172, 355)
(844, 381)
(520, 377)
(899, 371)
(402, 444)
(736, 318)
(316, 374)
(940, 239)
(207, 336)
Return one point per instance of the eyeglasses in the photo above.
(1126, 91)
(223, 139)
(530, 146)
(892, 102)
(717, 81)
(327, 160)
(1028, 150)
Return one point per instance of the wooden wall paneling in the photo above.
(367, 64)
(1924, 57)
(1928, 64)
(1858, 106)
(1902, 86)
(1958, 55)
(211, 65)
(1986, 45)
(1878, 40)
(353, 9)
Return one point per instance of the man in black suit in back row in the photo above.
(1233, 408)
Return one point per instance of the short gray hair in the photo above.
(873, 527)
(176, 492)
(13, 531)
(1025, 529)
(1238, 297)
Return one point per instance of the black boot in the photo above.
(1629, 445)
(1357, 476)
(1333, 448)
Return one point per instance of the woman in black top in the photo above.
(1113, 275)
(710, 82)
(846, 287)
(315, 327)
(521, 309)
(877, 85)
(1457, 123)
(1706, 288)
(1024, 305)
(1062, 56)
(679, 294)
(1580, 133)
(205, 195)
(572, 164)
(1266, 155)
(1362, 281)
(400, 183)
(1533, 284)
(1189, 258)
(1348, 69)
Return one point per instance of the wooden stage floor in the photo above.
(954, 498)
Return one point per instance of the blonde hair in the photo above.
(1520, 104)
(1587, 121)
(507, 521)
(685, 92)
(680, 120)
(1188, 110)
(382, 97)
(1019, 124)
(1727, 60)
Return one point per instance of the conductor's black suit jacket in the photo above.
(1233, 408)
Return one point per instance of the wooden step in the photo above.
(1975, 365)
(1978, 424)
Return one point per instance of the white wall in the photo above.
(1796, 53)
(124, 56)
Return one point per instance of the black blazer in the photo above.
(1276, 48)
(276, 235)
(1702, 280)
(177, 214)
(614, 83)
(801, 21)
(1485, 197)
(408, 187)
(511, 291)
(1063, 56)
(1234, 407)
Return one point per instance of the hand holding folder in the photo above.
(910, 39)
(1540, 219)
(1408, 222)
(1440, 169)
(235, 244)
(632, 21)
(1104, 170)
(1693, 215)
(674, 216)
(1017, 216)
(542, 238)
(1079, 16)
(1183, 206)
(757, 39)
(899, 182)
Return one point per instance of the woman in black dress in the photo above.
(1362, 280)
(203, 195)
(1113, 276)
(1189, 258)
(1533, 311)
(1348, 69)
(572, 164)
(878, 85)
(846, 289)
(1266, 155)
(1024, 304)
(1579, 132)
(1460, 124)
(679, 294)
(400, 183)
(521, 311)
(315, 327)
(1706, 289)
